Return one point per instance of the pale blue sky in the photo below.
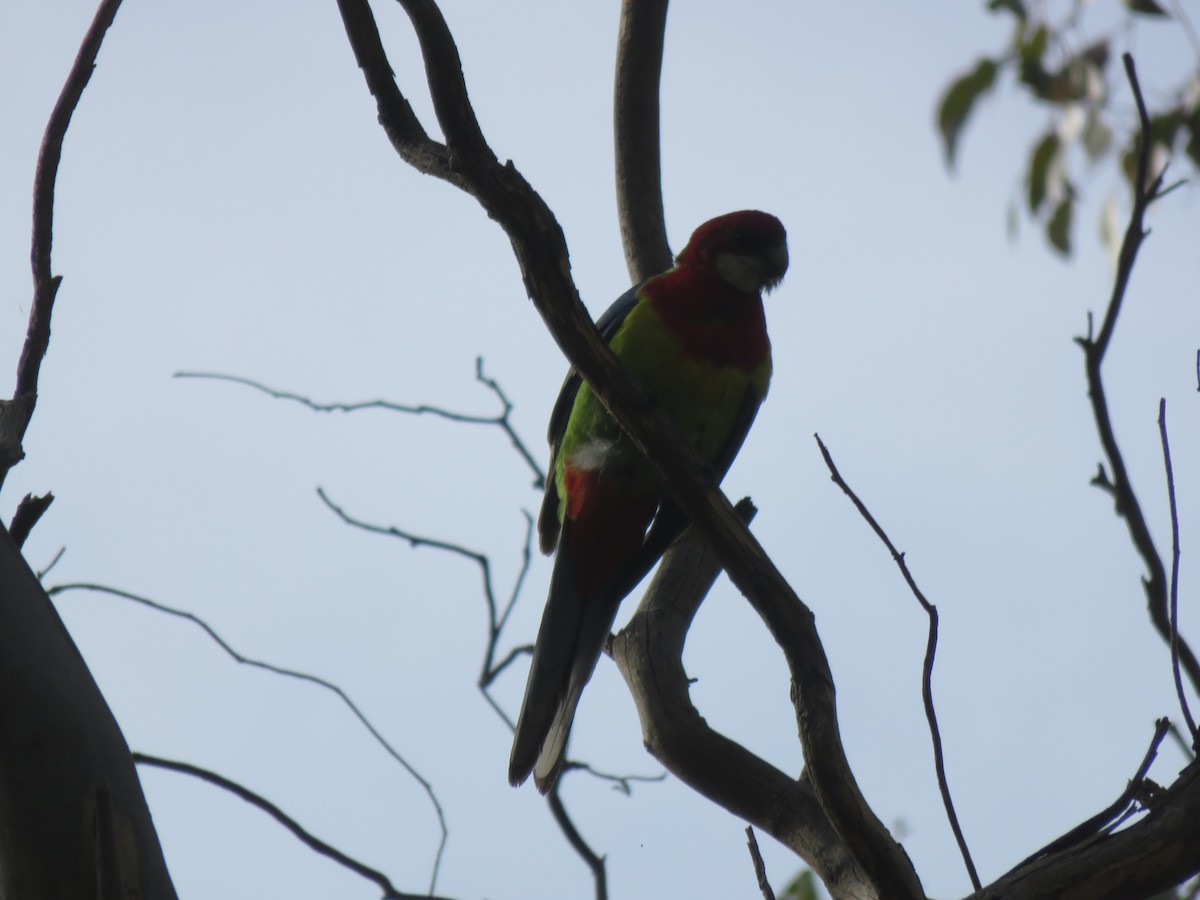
(227, 202)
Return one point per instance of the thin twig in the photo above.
(287, 673)
(927, 669)
(314, 843)
(622, 783)
(1114, 812)
(496, 621)
(417, 541)
(42, 573)
(503, 421)
(760, 867)
(594, 861)
(45, 284)
(1146, 190)
(1166, 448)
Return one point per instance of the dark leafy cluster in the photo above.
(1047, 59)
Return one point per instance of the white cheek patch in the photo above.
(743, 273)
(592, 456)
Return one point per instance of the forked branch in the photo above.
(1147, 188)
(541, 252)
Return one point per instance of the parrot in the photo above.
(694, 339)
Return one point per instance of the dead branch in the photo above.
(541, 252)
(295, 674)
(648, 652)
(1174, 588)
(45, 285)
(1146, 190)
(312, 842)
(503, 420)
(935, 734)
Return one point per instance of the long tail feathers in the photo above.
(569, 644)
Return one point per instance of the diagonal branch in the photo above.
(541, 252)
(396, 116)
(1094, 861)
(939, 760)
(15, 420)
(286, 673)
(760, 867)
(648, 652)
(594, 861)
(311, 841)
(1094, 349)
(1174, 611)
(491, 669)
(1105, 820)
(29, 512)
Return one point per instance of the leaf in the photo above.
(959, 100)
(1058, 229)
(1110, 229)
(1033, 49)
(1041, 163)
(1016, 7)
(1097, 135)
(802, 887)
(1164, 126)
(1030, 52)
(1129, 161)
(1145, 7)
(1192, 147)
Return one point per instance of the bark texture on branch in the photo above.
(649, 653)
(73, 820)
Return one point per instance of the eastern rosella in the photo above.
(695, 340)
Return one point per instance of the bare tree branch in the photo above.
(760, 867)
(1174, 612)
(503, 421)
(637, 137)
(491, 669)
(29, 512)
(594, 861)
(396, 116)
(496, 618)
(1103, 821)
(648, 652)
(939, 759)
(1141, 860)
(45, 284)
(541, 252)
(286, 673)
(313, 843)
(1094, 349)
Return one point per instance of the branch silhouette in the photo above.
(286, 673)
(503, 420)
(540, 249)
(1116, 480)
(935, 734)
(311, 841)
